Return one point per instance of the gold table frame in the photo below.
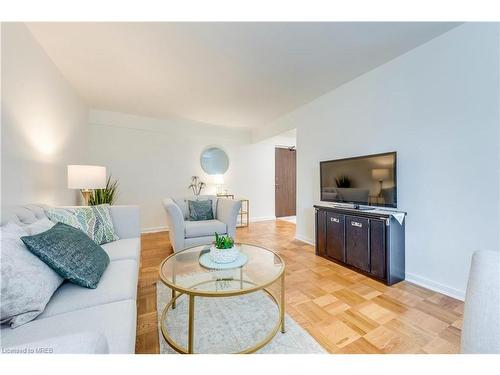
(192, 293)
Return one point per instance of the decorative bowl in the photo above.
(224, 255)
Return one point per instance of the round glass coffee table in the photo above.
(185, 276)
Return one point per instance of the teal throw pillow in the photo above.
(200, 210)
(70, 253)
(93, 220)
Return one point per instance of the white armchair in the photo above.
(185, 233)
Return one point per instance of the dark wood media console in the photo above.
(368, 242)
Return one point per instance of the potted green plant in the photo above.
(223, 249)
(105, 196)
(343, 181)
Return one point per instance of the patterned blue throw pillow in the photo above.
(200, 210)
(71, 253)
(94, 220)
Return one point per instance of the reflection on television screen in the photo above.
(365, 180)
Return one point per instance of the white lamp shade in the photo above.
(218, 179)
(86, 177)
(380, 174)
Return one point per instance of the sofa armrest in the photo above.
(78, 343)
(127, 221)
(227, 212)
(481, 325)
(175, 221)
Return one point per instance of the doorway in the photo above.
(285, 194)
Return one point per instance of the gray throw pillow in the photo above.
(71, 253)
(27, 282)
(200, 210)
(39, 226)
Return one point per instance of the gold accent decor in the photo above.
(86, 196)
(187, 260)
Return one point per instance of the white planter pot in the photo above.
(224, 255)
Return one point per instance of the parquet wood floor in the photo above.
(344, 311)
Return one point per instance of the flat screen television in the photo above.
(363, 180)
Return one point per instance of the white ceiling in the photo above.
(230, 74)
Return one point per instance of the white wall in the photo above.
(437, 106)
(154, 159)
(43, 123)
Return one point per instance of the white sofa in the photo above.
(184, 233)
(481, 325)
(81, 320)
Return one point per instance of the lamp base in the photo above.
(86, 196)
(380, 190)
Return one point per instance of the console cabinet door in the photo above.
(357, 242)
(320, 233)
(335, 236)
(377, 248)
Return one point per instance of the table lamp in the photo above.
(219, 182)
(380, 174)
(85, 178)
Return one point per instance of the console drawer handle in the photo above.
(356, 224)
(335, 220)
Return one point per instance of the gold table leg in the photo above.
(190, 348)
(173, 291)
(191, 325)
(282, 307)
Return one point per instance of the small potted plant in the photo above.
(343, 181)
(223, 250)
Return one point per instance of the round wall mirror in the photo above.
(214, 161)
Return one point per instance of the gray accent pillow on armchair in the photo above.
(200, 210)
(27, 282)
(183, 203)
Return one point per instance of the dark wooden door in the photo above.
(335, 236)
(377, 248)
(357, 242)
(321, 233)
(285, 182)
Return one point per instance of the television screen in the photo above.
(364, 180)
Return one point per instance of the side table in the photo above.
(244, 214)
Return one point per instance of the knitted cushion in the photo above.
(27, 282)
(200, 210)
(70, 253)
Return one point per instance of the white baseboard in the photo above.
(304, 239)
(262, 218)
(412, 278)
(435, 286)
(154, 229)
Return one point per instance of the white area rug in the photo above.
(229, 325)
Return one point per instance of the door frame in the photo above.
(276, 205)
